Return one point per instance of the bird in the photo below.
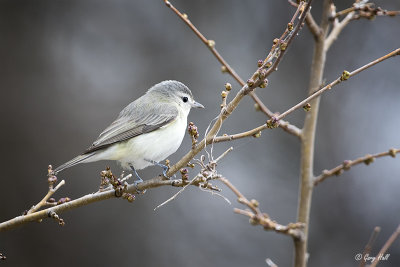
(147, 131)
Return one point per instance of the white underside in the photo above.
(156, 146)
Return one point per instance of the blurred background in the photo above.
(68, 67)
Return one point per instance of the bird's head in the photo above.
(176, 92)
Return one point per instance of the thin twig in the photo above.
(366, 10)
(288, 36)
(386, 246)
(337, 29)
(361, 9)
(211, 167)
(176, 194)
(346, 75)
(270, 262)
(369, 245)
(284, 125)
(343, 12)
(311, 24)
(347, 164)
(43, 202)
(224, 154)
(250, 133)
(209, 43)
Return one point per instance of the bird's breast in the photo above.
(156, 145)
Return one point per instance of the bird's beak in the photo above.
(197, 105)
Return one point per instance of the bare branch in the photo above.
(337, 29)
(95, 197)
(270, 262)
(366, 10)
(280, 46)
(227, 68)
(311, 24)
(253, 132)
(284, 125)
(347, 164)
(386, 246)
(345, 76)
(51, 180)
(177, 193)
(208, 172)
(369, 245)
(223, 154)
(256, 217)
(209, 43)
(308, 141)
(43, 202)
(249, 133)
(360, 9)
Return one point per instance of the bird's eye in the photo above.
(185, 99)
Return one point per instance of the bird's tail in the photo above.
(73, 162)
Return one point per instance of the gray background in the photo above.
(68, 67)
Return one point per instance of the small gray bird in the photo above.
(146, 131)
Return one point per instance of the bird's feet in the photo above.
(138, 181)
(165, 167)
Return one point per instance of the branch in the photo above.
(253, 132)
(96, 197)
(337, 29)
(344, 12)
(347, 164)
(270, 262)
(386, 246)
(284, 125)
(256, 217)
(209, 43)
(308, 141)
(366, 10)
(256, 132)
(369, 245)
(208, 172)
(311, 24)
(44, 201)
(360, 9)
(287, 37)
(51, 180)
(227, 68)
(345, 76)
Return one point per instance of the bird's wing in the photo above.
(126, 126)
